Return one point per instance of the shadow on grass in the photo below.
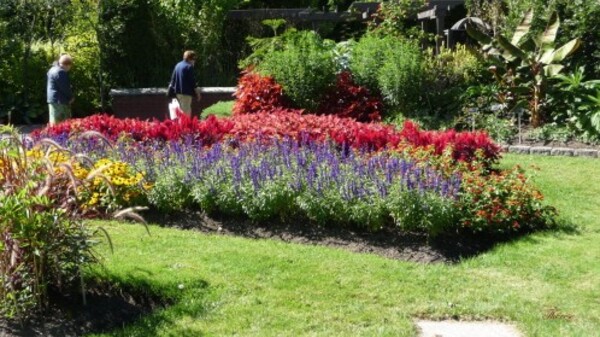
(390, 243)
(469, 245)
(128, 307)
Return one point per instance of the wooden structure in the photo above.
(439, 10)
(357, 11)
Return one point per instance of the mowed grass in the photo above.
(219, 109)
(547, 284)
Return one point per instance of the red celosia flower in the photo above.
(283, 122)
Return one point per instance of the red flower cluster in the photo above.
(284, 123)
(464, 144)
(347, 99)
(290, 123)
(256, 93)
(206, 131)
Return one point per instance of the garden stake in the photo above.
(519, 116)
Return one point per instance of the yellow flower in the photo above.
(35, 154)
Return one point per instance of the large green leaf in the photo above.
(478, 35)
(566, 50)
(549, 35)
(528, 45)
(511, 48)
(523, 27)
(552, 69)
(547, 56)
(595, 99)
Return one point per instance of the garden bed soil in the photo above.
(106, 310)
(389, 243)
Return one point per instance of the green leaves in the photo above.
(547, 38)
(523, 28)
(304, 66)
(563, 52)
(478, 35)
(513, 52)
(528, 63)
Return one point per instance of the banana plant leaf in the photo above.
(478, 35)
(523, 28)
(513, 50)
(566, 50)
(546, 57)
(528, 45)
(548, 37)
(551, 70)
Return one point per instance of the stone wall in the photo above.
(148, 103)
(552, 151)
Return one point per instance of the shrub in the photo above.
(257, 93)
(401, 75)
(367, 57)
(448, 75)
(391, 66)
(398, 18)
(304, 67)
(577, 104)
(347, 99)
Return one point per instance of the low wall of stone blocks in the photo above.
(149, 103)
(551, 151)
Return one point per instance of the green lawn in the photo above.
(548, 284)
(220, 109)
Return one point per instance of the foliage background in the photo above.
(135, 43)
(124, 43)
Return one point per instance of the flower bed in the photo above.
(266, 178)
(283, 123)
(325, 169)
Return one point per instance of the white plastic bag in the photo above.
(174, 108)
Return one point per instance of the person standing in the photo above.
(58, 90)
(183, 81)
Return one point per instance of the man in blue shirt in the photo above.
(58, 90)
(184, 82)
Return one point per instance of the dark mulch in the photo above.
(389, 243)
(107, 309)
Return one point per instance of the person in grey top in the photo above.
(58, 90)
